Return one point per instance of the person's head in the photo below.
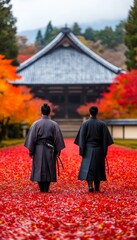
(93, 110)
(45, 109)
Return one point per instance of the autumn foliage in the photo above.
(22, 58)
(7, 71)
(120, 101)
(17, 104)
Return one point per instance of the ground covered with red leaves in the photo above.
(68, 211)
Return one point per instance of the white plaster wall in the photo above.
(118, 132)
(130, 132)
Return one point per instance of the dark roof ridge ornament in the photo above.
(65, 29)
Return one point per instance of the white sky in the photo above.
(32, 14)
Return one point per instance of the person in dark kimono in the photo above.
(44, 142)
(93, 140)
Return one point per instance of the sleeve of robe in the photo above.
(80, 139)
(58, 140)
(31, 139)
(107, 139)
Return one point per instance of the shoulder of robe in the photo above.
(101, 122)
(54, 123)
(35, 123)
(86, 122)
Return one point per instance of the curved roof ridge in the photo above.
(79, 44)
(93, 55)
(41, 52)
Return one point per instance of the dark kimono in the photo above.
(93, 140)
(43, 134)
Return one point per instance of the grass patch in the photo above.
(10, 142)
(126, 143)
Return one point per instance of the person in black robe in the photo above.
(93, 139)
(44, 142)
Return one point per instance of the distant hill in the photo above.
(31, 34)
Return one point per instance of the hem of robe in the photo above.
(85, 164)
(93, 180)
(39, 180)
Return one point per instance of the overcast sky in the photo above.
(32, 14)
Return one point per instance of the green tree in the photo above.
(8, 29)
(47, 35)
(76, 29)
(50, 33)
(39, 40)
(131, 37)
(89, 34)
(107, 37)
(119, 32)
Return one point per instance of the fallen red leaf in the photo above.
(68, 211)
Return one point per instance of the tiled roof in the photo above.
(70, 64)
(121, 122)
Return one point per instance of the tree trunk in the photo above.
(3, 128)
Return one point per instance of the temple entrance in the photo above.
(68, 97)
(67, 105)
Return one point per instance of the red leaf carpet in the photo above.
(68, 211)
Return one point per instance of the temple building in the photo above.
(67, 73)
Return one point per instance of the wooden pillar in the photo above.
(66, 101)
(84, 95)
(112, 131)
(123, 127)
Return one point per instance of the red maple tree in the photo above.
(120, 101)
